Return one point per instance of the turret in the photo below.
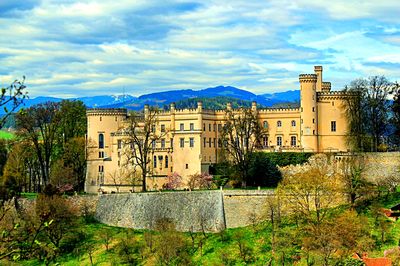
(229, 106)
(172, 111)
(326, 86)
(318, 72)
(199, 112)
(254, 107)
(309, 115)
(146, 111)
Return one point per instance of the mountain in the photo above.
(162, 99)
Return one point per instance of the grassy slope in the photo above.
(216, 246)
(6, 135)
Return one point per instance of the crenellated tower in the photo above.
(308, 112)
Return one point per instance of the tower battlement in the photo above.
(308, 78)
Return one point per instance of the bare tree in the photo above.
(11, 98)
(142, 134)
(367, 112)
(240, 137)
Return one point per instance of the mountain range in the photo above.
(162, 99)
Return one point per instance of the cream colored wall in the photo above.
(331, 109)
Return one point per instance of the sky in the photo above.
(68, 48)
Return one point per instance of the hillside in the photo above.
(160, 99)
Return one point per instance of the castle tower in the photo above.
(100, 124)
(318, 72)
(308, 109)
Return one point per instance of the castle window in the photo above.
(333, 103)
(181, 127)
(166, 161)
(313, 132)
(155, 161)
(119, 144)
(279, 123)
(204, 142)
(215, 141)
(153, 128)
(153, 144)
(101, 154)
(172, 143)
(204, 127)
(219, 143)
(313, 121)
(101, 141)
(313, 109)
(116, 118)
(219, 127)
(333, 126)
(191, 142)
(100, 118)
(162, 143)
(265, 141)
(265, 124)
(214, 127)
(187, 166)
(119, 163)
(279, 141)
(293, 141)
(101, 168)
(209, 142)
(191, 126)
(209, 127)
(182, 142)
(293, 123)
(162, 128)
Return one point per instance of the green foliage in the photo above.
(288, 158)
(213, 103)
(263, 172)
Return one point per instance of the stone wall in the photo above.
(211, 211)
(194, 211)
(241, 206)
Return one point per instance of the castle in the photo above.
(190, 144)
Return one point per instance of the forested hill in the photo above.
(220, 102)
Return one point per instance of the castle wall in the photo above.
(188, 210)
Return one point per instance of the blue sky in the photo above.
(69, 48)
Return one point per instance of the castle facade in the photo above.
(190, 143)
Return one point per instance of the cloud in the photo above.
(68, 47)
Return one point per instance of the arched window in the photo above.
(279, 123)
(101, 141)
(166, 161)
(265, 124)
(293, 123)
(155, 161)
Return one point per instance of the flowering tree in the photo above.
(202, 181)
(174, 181)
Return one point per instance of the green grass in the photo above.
(29, 195)
(6, 135)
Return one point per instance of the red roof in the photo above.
(377, 261)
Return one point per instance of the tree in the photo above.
(366, 110)
(355, 185)
(141, 133)
(73, 122)
(11, 98)
(240, 137)
(395, 120)
(39, 124)
(74, 157)
(262, 172)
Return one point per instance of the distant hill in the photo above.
(187, 97)
(216, 103)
